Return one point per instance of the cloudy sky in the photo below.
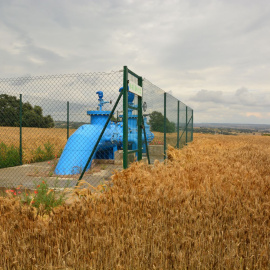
(214, 55)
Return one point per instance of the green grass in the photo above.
(9, 156)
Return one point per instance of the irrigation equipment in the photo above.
(82, 144)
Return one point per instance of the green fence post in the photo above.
(192, 127)
(146, 146)
(178, 116)
(140, 122)
(67, 120)
(165, 146)
(20, 129)
(125, 118)
(186, 125)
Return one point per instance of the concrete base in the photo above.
(118, 157)
(29, 175)
(156, 150)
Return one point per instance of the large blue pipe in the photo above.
(81, 143)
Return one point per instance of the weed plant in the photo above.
(44, 198)
(44, 154)
(9, 155)
(34, 138)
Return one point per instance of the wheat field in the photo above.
(32, 138)
(206, 207)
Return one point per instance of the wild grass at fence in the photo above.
(41, 144)
(207, 208)
(9, 155)
(38, 144)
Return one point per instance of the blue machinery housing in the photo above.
(82, 142)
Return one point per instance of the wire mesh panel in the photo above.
(182, 125)
(61, 119)
(153, 99)
(189, 125)
(133, 126)
(62, 129)
(171, 121)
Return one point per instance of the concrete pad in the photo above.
(29, 175)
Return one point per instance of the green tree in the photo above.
(156, 122)
(31, 116)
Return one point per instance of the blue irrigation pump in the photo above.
(82, 144)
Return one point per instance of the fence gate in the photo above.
(134, 132)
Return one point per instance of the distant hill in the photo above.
(231, 129)
(255, 127)
(72, 125)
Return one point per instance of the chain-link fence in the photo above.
(52, 128)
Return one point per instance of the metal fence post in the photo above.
(67, 120)
(140, 122)
(125, 118)
(186, 124)
(192, 127)
(20, 129)
(165, 146)
(178, 116)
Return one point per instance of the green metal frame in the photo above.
(141, 127)
(21, 129)
(185, 130)
(140, 122)
(146, 145)
(186, 125)
(192, 128)
(125, 119)
(178, 122)
(165, 116)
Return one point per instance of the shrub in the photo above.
(9, 156)
(44, 199)
(43, 154)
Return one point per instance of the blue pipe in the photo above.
(81, 143)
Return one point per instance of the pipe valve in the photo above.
(101, 101)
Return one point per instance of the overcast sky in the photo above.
(214, 55)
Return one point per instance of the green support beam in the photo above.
(178, 125)
(186, 125)
(21, 129)
(125, 118)
(140, 122)
(146, 145)
(165, 146)
(192, 127)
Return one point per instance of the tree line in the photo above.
(32, 116)
(156, 122)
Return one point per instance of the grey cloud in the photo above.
(20, 81)
(241, 97)
(178, 45)
(211, 39)
(241, 91)
(208, 96)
